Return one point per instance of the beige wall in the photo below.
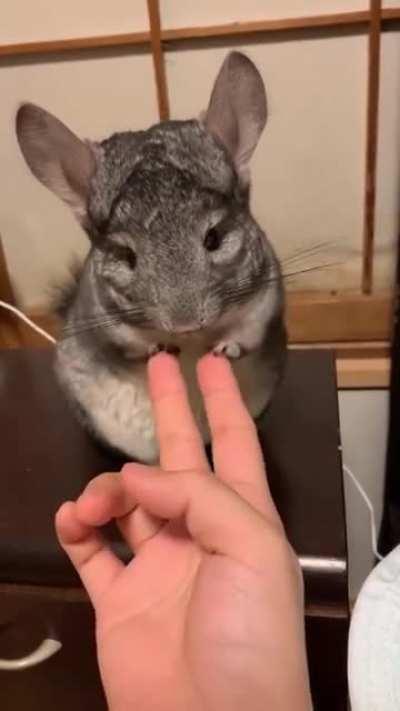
(176, 13)
(308, 170)
(23, 21)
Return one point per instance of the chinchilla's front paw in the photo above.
(158, 347)
(230, 349)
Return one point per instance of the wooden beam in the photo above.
(6, 290)
(363, 373)
(158, 59)
(9, 332)
(374, 42)
(390, 13)
(354, 350)
(75, 43)
(232, 29)
(358, 365)
(49, 322)
(313, 317)
(352, 19)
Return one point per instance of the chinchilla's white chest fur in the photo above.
(120, 407)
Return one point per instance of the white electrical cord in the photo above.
(374, 538)
(27, 320)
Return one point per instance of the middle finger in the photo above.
(237, 454)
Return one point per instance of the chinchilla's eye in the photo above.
(125, 254)
(212, 240)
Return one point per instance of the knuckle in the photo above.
(173, 438)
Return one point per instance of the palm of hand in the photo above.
(193, 615)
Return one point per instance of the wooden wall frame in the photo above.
(345, 317)
(374, 44)
(158, 59)
(10, 336)
(349, 20)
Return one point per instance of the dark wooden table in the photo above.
(46, 458)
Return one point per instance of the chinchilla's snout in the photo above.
(182, 320)
(187, 312)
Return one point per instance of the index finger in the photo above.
(237, 453)
(181, 446)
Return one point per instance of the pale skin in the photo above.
(208, 616)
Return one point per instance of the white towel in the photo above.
(374, 642)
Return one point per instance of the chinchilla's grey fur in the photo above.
(177, 261)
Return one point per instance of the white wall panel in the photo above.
(34, 20)
(176, 13)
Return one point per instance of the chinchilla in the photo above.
(177, 261)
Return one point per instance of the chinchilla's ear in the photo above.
(237, 111)
(59, 159)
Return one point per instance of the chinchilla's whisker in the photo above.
(83, 325)
(246, 288)
(287, 275)
(129, 315)
(302, 254)
(311, 269)
(117, 313)
(73, 330)
(69, 332)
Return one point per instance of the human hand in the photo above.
(208, 616)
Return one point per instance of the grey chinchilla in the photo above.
(177, 261)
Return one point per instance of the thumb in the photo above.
(216, 517)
